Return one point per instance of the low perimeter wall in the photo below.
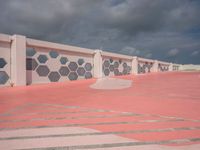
(25, 61)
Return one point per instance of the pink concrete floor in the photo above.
(157, 107)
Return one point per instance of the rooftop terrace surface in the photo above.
(154, 112)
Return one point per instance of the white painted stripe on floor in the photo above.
(154, 147)
(45, 131)
(61, 142)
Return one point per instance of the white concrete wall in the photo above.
(190, 67)
(30, 61)
(52, 62)
(5, 53)
(116, 64)
(145, 65)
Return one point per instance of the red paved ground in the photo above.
(168, 94)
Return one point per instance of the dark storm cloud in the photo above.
(161, 29)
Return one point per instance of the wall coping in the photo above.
(5, 38)
(50, 45)
(163, 63)
(145, 60)
(115, 55)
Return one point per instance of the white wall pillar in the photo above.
(155, 66)
(135, 65)
(98, 62)
(171, 67)
(18, 60)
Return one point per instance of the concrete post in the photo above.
(98, 64)
(171, 67)
(155, 66)
(134, 65)
(18, 60)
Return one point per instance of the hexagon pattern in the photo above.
(88, 67)
(125, 65)
(106, 63)
(111, 68)
(116, 64)
(31, 64)
(42, 58)
(3, 77)
(88, 75)
(2, 62)
(106, 72)
(42, 70)
(80, 61)
(54, 76)
(73, 76)
(30, 52)
(81, 71)
(163, 67)
(40, 63)
(144, 67)
(63, 60)
(74, 69)
(64, 71)
(73, 66)
(115, 67)
(53, 54)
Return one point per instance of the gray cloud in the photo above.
(195, 53)
(148, 28)
(173, 52)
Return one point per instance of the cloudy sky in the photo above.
(160, 29)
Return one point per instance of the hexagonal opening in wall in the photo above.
(3, 77)
(63, 60)
(81, 71)
(30, 52)
(73, 66)
(106, 63)
(42, 58)
(111, 68)
(54, 76)
(125, 65)
(53, 54)
(106, 72)
(116, 72)
(88, 75)
(42, 70)
(73, 76)
(88, 66)
(2, 62)
(31, 64)
(116, 64)
(81, 61)
(64, 71)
